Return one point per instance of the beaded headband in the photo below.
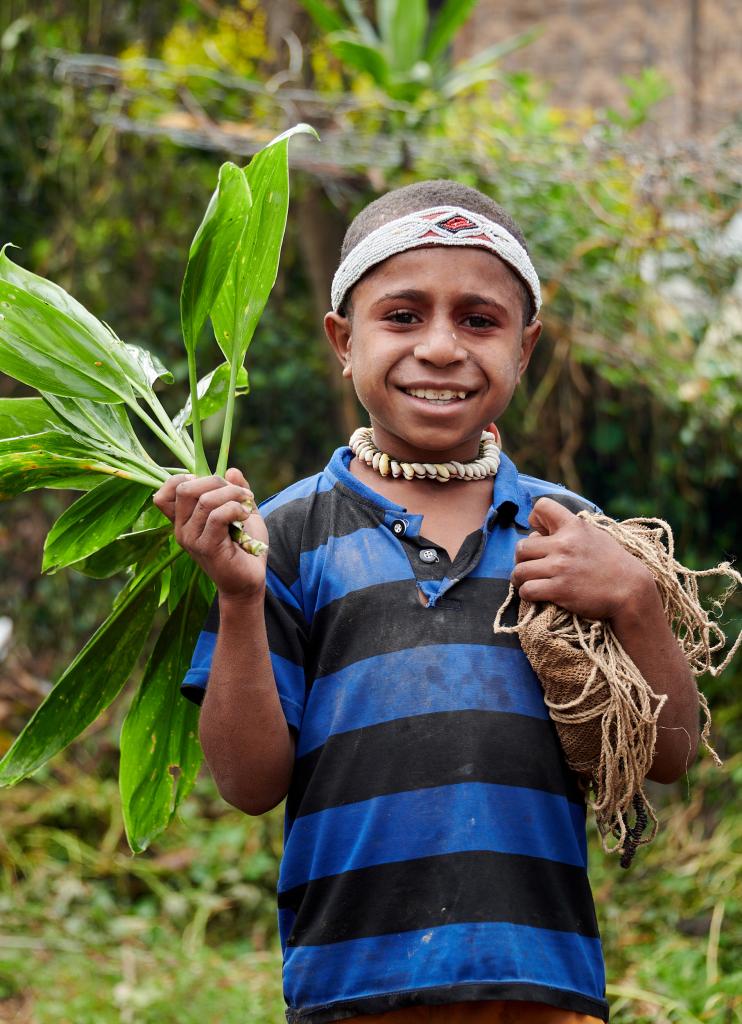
(438, 225)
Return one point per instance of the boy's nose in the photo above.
(440, 346)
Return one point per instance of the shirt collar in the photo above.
(509, 498)
(337, 468)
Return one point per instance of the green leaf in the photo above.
(361, 24)
(150, 519)
(148, 565)
(53, 459)
(252, 275)
(87, 687)
(213, 249)
(160, 752)
(483, 65)
(181, 575)
(368, 59)
(22, 416)
(93, 521)
(403, 24)
(213, 390)
(95, 423)
(152, 368)
(128, 549)
(324, 17)
(448, 21)
(253, 271)
(94, 340)
(50, 351)
(459, 82)
(56, 297)
(56, 479)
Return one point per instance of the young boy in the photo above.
(435, 863)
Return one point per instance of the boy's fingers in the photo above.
(218, 520)
(533, 569)
(193, 515)
(164, 499)
(537, 590)
(188, 494)
(533, 546)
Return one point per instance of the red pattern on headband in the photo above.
(455, 224)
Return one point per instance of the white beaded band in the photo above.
(439, 225)
(364, 448)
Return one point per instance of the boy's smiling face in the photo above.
(429, 326)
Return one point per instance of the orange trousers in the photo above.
(487, 1012)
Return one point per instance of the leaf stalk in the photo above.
(167, 423)
(171, 441)
(221, 465)
(201, 463)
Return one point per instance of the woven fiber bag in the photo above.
(604, 710)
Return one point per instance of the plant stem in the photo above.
(154, 571)
(186, 437)
(202, 466)
(167, 423)
(148, 473)
(145, 472)
(128, 469)
(221, 465)
(174, 443)
(141, 478)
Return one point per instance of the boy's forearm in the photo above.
(242, 728)
(642, 630)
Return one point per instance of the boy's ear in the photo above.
(528, 344)
(338, 331)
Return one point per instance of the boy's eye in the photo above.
(401, 316)
(479, 321)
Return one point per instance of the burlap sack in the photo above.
(604, 711)
(569, 679)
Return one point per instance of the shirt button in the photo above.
(399, 526)
(428, 555)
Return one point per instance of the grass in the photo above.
(186, 933)
(89, 933)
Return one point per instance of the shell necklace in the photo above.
(363, 447)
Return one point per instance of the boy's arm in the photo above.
(642, 630)
(242, 727)
(573, 564)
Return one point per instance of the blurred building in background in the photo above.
(585, 47)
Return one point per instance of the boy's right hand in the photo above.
(201, 509)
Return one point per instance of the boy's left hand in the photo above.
(573, 564)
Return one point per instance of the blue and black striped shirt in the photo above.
(435, 840)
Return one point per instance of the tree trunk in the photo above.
(321, 225)
(321, 230)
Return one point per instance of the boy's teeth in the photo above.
(437, 396)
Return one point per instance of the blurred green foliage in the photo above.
(633, 398)
(406, 53)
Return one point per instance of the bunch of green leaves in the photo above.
(405, 53)
(78, 434)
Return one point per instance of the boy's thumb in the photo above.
(548, 516)
(236, 476)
